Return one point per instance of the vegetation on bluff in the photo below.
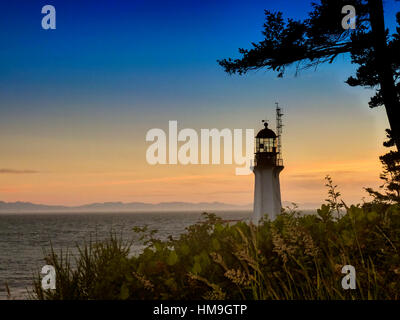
(293, 257)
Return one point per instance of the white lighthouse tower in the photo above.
(268, 164)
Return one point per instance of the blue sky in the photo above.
(128, 48)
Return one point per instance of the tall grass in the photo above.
(97, 271)
(293, 257)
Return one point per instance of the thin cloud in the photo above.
(15, 171)
(320, 174)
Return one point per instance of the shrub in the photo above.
(294, 257)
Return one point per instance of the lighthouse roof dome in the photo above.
(266, 132)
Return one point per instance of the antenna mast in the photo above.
(279, 126)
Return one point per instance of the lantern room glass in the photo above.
(266, 145)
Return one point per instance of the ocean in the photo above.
(24, 238)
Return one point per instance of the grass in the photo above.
(293, 257)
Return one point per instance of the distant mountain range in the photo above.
(132, 207)
(120, 207)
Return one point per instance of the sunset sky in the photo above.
(76, 104)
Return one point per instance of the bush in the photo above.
(293, 257)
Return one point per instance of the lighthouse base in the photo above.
(267, 193)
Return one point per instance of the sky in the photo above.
(76, 104)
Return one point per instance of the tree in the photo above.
(390, 176)
(321, 38)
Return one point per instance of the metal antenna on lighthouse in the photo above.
(279, 126)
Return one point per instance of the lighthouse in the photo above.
(268, 164)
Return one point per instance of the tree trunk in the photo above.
(385, 72)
